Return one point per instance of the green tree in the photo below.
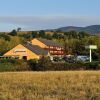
(48, 36)
(13, 33)
(18, 29)
(5, 36)
(44, 64)
(14, 42)
(42, 33)
(57, 36)
(3, 46)
(34, 34)
(83, 34)
(71, 34)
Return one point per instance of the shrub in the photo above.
(13, 65)
(44, 64)
(92, 66)
(13, 61)
(68, 66)
(33, 64)
(6, 67)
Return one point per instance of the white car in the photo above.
(82, 58)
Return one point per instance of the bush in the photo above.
(44, 64)
(6, 67)
(92, 66)
(68, 66)
(33, 64)
(40, 65)
(13, 61)
(13, 65)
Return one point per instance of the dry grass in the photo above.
(82, 85)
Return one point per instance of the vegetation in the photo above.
(74, 42)
(50, 86)
(13, 33)
(13, 65)
(45, 64)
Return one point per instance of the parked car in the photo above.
(58, 59)
(82, 58)
(69, 59)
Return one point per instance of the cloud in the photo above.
(44, 22)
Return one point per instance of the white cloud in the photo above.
(44, 22)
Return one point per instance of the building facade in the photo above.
(35, 50)
(26, 51)
(54, 48)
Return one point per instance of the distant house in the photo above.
(54, 48)
(26, 51)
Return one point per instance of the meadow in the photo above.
(68, 85)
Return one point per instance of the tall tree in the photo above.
(83, 34)
(34, 34)
(18, 29)
(13, 33)
(42, 33)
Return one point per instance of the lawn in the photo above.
(69, 85)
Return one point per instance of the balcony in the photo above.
(57, 53)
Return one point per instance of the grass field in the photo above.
(82, 85)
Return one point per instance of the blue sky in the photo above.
(44, 14)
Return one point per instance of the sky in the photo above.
(47, 14)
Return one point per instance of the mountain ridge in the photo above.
(92, 29)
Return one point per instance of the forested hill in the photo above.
(93, 29)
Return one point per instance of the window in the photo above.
(51, 47)
(58, 48)
(51, 51)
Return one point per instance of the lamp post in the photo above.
(90, 55)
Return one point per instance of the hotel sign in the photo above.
(91, 47)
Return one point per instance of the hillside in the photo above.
(93, 29)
